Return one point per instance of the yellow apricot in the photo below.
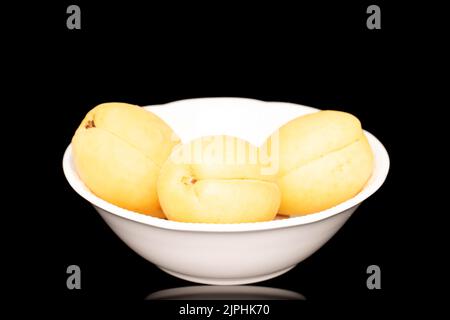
(118, 150)
(217, 179)
(324, 159)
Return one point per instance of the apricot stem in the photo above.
(188, 180)
(90, 124)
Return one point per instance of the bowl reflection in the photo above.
(225, 293)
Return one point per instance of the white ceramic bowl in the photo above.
(228, 254)
(225, 293)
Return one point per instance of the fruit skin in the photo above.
(214, 187)
(118, 150)
(325, 159)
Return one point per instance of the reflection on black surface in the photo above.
(225, 293)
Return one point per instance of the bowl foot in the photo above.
(227, 281)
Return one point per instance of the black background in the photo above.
(320, 54)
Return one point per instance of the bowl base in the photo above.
(227, 281)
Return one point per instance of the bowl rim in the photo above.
(378, 177)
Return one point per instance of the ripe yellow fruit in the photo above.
(324, 159)
(118, 151)
(217, 179)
